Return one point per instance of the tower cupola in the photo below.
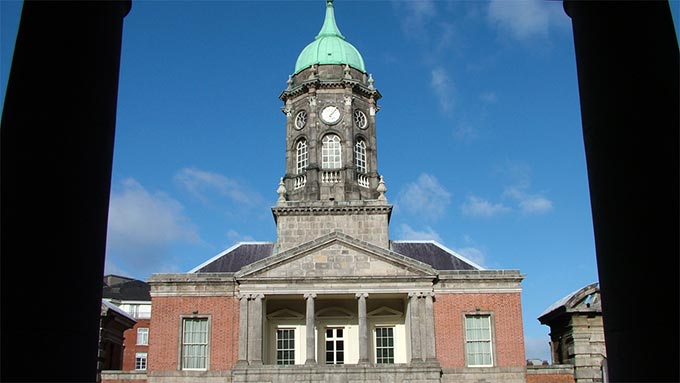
(329, 47)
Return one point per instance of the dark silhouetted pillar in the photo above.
(627, 62)
(56, 142)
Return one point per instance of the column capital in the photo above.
(361, 295)
(256, 296)
(310, 295)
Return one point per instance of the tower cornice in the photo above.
(355, 85)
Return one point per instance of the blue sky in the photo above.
(479, 132)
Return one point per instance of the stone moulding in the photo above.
(330, 210)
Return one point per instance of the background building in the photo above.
(132, 297)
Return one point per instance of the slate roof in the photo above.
(235, 257)
(586, 298)
(434, 254)
(131, 290)
(246, 253)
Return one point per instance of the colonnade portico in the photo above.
(416, 317)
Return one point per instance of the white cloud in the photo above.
(416, 16)
(426, 197)
(406, 232)
(443, 87)
(465, 132)
(207, 186)
(478, 207)
(142, 225)
(529, 203)
(537, 347)
(235, 237)
(488, 97)
(521, 19)
(474, 254)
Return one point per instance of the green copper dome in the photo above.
(329, 47)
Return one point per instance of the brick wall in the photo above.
(559, 373)
(506, 310)
(164, 336)
(131, 348)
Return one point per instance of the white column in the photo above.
(243, 330)
(363, 328)
(309, 324)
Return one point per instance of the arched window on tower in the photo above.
(331, 152)
(360, 156)
(302, 156)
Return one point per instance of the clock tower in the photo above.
(332, 178)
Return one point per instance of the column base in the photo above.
(310, 361)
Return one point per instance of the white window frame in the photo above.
(183, 345)
(486, 339)
(301, 156)
(141, 361)
(331, 152)
(335, 340)
(360, 156)
(143, 336)
(376, 347)
(285, 345)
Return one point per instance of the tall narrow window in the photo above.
(143, 336)
(330, 152)
(384, 345)
(285, 346)
(335, 346)
(360, 156)
(478, 340)
(195, 344)
(140, 361)
(302, 157)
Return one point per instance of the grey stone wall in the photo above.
(339, 374)
(364, 220)
(484, 375)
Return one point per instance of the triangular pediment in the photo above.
(385, 312)
(285, 314)
(336, 255)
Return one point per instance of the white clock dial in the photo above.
(330, 114)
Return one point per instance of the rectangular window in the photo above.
(143, 336)
(335, 346)
(478, 340)
(285, 346)
(195, 343)
(140, 361)
(384, 345)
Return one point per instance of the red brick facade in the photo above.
(164, 338)
(131, 348)
(550, 378)
(506, 314)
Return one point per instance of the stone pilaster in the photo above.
(414, 316)
(255, 329)
(243, 330)
(430, 352)
(363, 328)
(309, 324)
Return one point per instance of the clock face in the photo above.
(300, 120)
(360, 119)
(330, 114)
